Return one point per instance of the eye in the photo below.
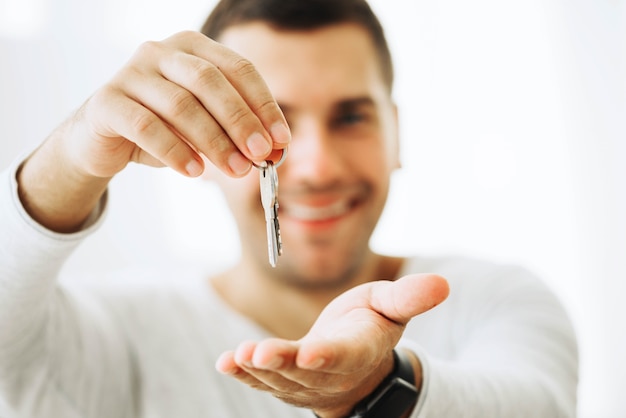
(349, 118)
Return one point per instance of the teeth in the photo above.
(317, 213)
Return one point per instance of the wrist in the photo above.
(53, 192)
(395, 396)
(352, 397)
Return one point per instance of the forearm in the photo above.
(53, 191)
(469, 391)
(537, 379)
(45, 367)
(32, 251)
(31, 257)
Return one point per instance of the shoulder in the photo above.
(491, 300)
(467, 269)
(486, 283)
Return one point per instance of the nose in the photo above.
(314, 155)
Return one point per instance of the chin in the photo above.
(320, 283)
(318, 273)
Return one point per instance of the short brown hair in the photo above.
(302, 15)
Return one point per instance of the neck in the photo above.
(287, 310)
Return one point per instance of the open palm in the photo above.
(345, 354)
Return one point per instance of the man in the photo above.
(327, 331)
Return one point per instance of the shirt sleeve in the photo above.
(510, 352)
(59, 353)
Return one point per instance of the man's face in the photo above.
(334, 182)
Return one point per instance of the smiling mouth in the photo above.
(320, 205)
(310, 213)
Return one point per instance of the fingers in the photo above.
(268, 354)
(231, 89)
(181, 98)
(248, 82)
(271, 365)
(131, 120)
(326, 355)
(254, 365)
(184, 116)
(224, 103)
(288, 358)
(261, 365)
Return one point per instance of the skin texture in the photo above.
(192, 104)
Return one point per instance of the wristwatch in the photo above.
(395, 396)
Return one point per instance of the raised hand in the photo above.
(346, 353)
(175, 103)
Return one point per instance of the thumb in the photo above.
(408, 296)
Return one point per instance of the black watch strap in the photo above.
(395, 396)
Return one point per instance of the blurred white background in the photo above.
(514, 145)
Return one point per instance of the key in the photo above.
(269, 187)
(279, 242)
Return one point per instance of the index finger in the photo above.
(244, 77)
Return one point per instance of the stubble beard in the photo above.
(336, 270)
(335, 274)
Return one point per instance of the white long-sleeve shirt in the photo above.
(500, 346)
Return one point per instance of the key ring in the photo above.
(263, 165)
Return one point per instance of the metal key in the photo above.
(279, 242)
(269, 198)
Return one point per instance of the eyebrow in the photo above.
(357, 102)
(342, 105)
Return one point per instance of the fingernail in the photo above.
(317, 364)
(274, 363)
(258, 145)
(194, 168)
(280, 133)
(239, 164)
